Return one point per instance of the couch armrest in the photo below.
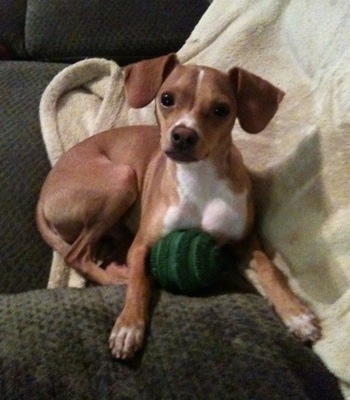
(54, 345)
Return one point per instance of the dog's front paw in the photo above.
(126, 339)
(305, 326)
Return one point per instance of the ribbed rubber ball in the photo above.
(186, 262)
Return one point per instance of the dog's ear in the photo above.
(143, 79)
(257, 100)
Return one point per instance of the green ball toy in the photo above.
(186, 262)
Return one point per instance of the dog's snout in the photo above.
(184, 138)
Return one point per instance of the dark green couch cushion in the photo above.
(24, 257)
(122, 30)
(53, 345)
(12, 26)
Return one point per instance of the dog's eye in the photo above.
(221, 110)
(167, 100)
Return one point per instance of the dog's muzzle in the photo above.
(183, 143)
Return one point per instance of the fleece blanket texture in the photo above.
(299, 164)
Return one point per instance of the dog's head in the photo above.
(196, 106)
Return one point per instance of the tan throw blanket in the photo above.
(300, 164)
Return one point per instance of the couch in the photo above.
(54, 343)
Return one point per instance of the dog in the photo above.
(183, 173)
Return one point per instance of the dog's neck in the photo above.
(206, 200)
(200, 178)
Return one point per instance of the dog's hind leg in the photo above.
(104, 213)
(80, 257)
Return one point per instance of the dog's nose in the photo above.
(184, 138)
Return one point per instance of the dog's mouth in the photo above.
(180, 156)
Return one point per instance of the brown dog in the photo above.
(183, 173)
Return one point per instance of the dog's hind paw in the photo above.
(125, 341)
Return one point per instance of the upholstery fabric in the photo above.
(12, 22)
(54, 346)
(124, 30)
(24, 258)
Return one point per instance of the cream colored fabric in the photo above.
(300, 163)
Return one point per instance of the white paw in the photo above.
(305, 326)
(125, 341)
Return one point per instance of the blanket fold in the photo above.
(299, 164)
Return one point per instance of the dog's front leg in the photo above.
(128, 332)
(274, 286)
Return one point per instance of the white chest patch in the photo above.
(207, 203)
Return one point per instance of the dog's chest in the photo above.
(206, 202)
